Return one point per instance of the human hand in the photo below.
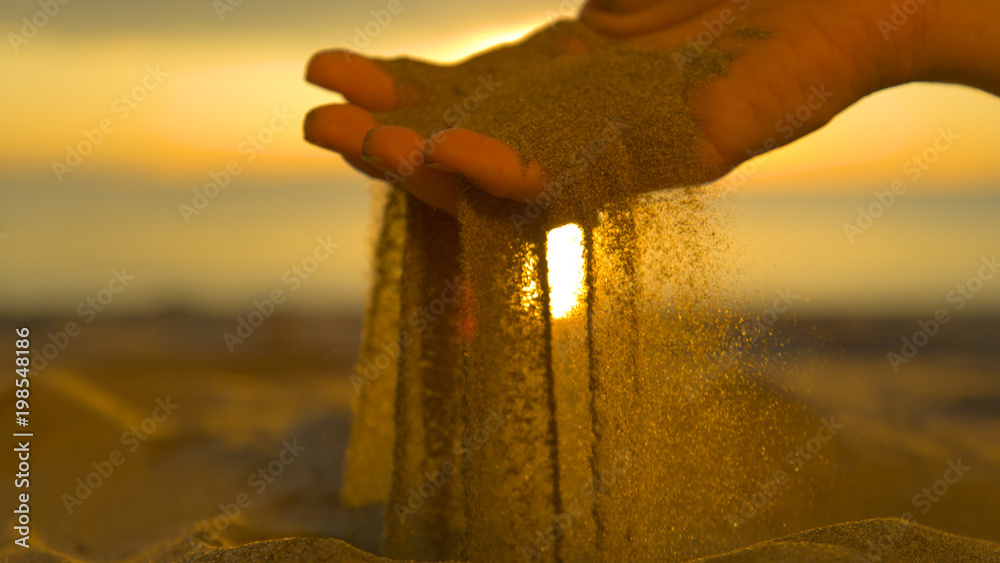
(817, 59)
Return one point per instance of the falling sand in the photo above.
(561, 380)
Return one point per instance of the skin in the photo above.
(837, 48)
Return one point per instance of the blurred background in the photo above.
(186, 89)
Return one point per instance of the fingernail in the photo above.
(366, 145)
(376, 161)
(366, 152)
(429, 162)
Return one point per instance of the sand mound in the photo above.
(885, 540)
(882, 539)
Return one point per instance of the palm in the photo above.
(820, 60)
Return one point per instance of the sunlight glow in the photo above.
(456, 47)
(567, 270)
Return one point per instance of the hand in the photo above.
(819, 58)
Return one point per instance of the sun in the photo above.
(566, 263)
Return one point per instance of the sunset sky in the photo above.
(183, 89)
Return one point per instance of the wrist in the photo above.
(954, 41)
(885, 46)
(896, 33)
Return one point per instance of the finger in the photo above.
(339, 128)
(363, 166)
(489, 164)
(361, 80)
(400, 150)
(644, 20)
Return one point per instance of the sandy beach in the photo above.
(235, 413)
